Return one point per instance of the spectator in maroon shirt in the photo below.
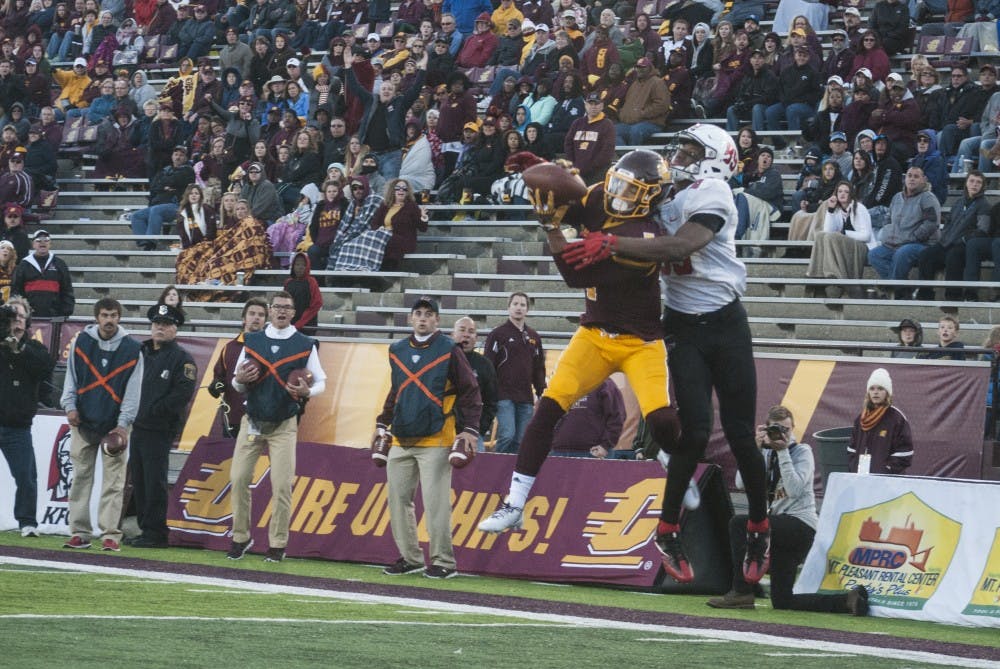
(517, 354)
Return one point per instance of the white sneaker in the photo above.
(692, 497)
(505, 518)
(29, 531)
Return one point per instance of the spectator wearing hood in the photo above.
(467, 13)
(40, 160)
(969, 219)
(931, 162)
(417, 167)
(840, 61)
(305, 293)
(910, 335)
(326, 219)
(141, 90)
(261, 195)
(887, 183)
(18, 120)
(479, 46)
(362, 204)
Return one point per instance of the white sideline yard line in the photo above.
(809, 654)
(270, 621)
(805, 645)
(677, 640)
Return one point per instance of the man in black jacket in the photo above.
(44, 280)
(800, 91)
(168, 382)
(464, 335)
(964, 106)
(383, 126)
(164, 197)
(890, 19)
(888, 181)
(757, 91)
(29, 366)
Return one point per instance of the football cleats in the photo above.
(719, 161)
(634, 183)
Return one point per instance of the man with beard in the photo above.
(231, 405)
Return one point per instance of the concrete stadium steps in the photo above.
(515, 229)
(334, 299)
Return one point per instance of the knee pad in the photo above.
(665, 427)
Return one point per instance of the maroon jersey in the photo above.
(622, 295)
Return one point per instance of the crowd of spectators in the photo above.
(313, 110)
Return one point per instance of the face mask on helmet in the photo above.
(627, 197)
(631, 186)
(715, 159)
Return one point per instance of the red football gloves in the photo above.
(592, 249)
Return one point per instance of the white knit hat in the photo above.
(880, 377)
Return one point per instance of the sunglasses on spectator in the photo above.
(254, 171)
(401, 189)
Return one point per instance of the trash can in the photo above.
(831, 450)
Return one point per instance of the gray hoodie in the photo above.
(912, 219)
(130, 401)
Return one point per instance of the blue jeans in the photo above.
(968, 149)
(977, 250)
(20, 454)
(389, 164)
(951, 136)
(793, 115)
(985, 164)
(733, 122)
(633, 134)
(895, 264)
(512, 418)
(59, 47)
(150, 221)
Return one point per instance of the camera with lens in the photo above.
(8, 315)
(777, 432)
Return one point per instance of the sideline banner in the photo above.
(925, 549)
(50, 438)
(586, 521)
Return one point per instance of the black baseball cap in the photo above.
(427, 302)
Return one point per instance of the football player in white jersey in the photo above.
(707, 333)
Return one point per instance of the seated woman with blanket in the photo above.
(391, 234)
(242, 248)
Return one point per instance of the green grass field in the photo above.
(81, 616)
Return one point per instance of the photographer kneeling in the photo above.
(789, 470)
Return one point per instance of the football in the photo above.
(459, 457)
(380, 448)
(545, 177)
(113, 444)
(300, 374)
(250, 364)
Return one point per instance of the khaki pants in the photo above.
(409, 465)
(281, 449)
(83, 455)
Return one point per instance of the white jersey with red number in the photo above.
(713, 276)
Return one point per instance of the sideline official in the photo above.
(168, 382)
(24, 366)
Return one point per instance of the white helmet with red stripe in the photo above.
(720, 154)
